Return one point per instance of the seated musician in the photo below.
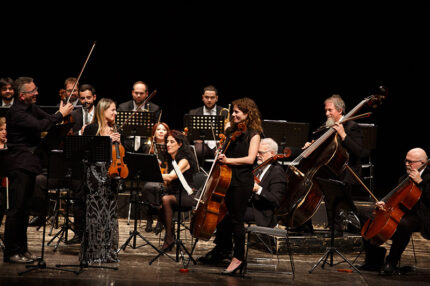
(84, 116)
(3, 133)
(179, 150)
(209, 98)
(2, 180)
(152, 192)
(265, 198)
(417, 219)
(351, 139)
(25, 122)
(100, 239)
(7, 92)
(139, 94)
(69, 83)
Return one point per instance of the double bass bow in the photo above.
(210, 208)
(304, 196)
(382, 226)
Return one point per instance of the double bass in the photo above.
(211, 208)
(304, 194)
(383, 224)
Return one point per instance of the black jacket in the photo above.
(128, 106)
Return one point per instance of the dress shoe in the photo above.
(388, 269)
(30, 255)
(36, 221)
(17, 258)
(369, 267)
(75, 240)
(240, 267)
(148, 227)
(215, 256)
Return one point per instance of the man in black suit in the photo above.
(414, 220)
(7, 92)
(209, 98)
(84, 116)
(139, 93)
(25, 122)
(267, 194)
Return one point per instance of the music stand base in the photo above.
(179, 246)
(329, 253)
(83, 265)
(42, 265)
(133, 235)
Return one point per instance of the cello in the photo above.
(211, 208)
(304, 195)
(382, 226)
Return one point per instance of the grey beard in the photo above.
(329, 123)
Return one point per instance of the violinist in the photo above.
(100, 239)
(417, 219)
(351, 140)
(152, 192)
(25, 122)
(139, 94)
(240, 157)
(179, 150)
(69, 83)
(266, 196)
(84, 116)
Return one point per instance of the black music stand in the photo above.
(334, 190)
(89, 149)
(139, 124)
(142, 167)
(53, 172)
(203, 127)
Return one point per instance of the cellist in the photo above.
(240, 157)
(417, 219)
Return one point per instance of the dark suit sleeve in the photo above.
(43, 123)
(354, 140)
(274, 185)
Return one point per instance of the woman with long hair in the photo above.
(179, 150)
(100, 238)
(240, 157)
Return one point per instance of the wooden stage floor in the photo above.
(134, 268)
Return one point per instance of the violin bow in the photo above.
(137, 109)
(82, 71)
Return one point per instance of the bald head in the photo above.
(418, 154)
(415, 158)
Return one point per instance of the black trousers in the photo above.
(233, 223)
(21, 189)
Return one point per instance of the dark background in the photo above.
(288, 66)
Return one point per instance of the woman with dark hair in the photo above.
(152, 191)
(180, 151)
(240, 157)
(100, 238)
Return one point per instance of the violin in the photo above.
(211, 208)
(287, 153)
(118, 168)
(382, 226)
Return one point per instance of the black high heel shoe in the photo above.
(233, 272)
(158, 228)
(167, 246)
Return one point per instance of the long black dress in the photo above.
(100, 238)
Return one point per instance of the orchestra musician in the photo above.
(179, 150)
(69, 83)
(100, 238)
(414, 220)
(84, 116)
(240, 157)
(3, 140)
(7, 92)
(210, 107)
(152, 192)
(25, 122)
(266, 196)
(351, 139)
(139, 94)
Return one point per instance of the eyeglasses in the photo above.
(31, 91)
(411, 162)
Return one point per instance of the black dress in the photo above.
(100, 238)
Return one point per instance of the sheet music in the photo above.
(181, 178)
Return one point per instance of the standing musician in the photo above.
(416, 219)
(266, 196)
(100, 239)
(179, 150)
(240, 157)
(25, 122)
(7, 92)
(152, 191)
(84, 116)
(209, 98)
(139, 93)
(351, 139)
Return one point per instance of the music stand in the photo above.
(334, 190)
(140, 124)
(90, 149)
(41, 264)
(142, 167)
(203, 127)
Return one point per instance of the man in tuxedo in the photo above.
(210, 107)
(140, 94)
(84, 116)
(266, 197)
